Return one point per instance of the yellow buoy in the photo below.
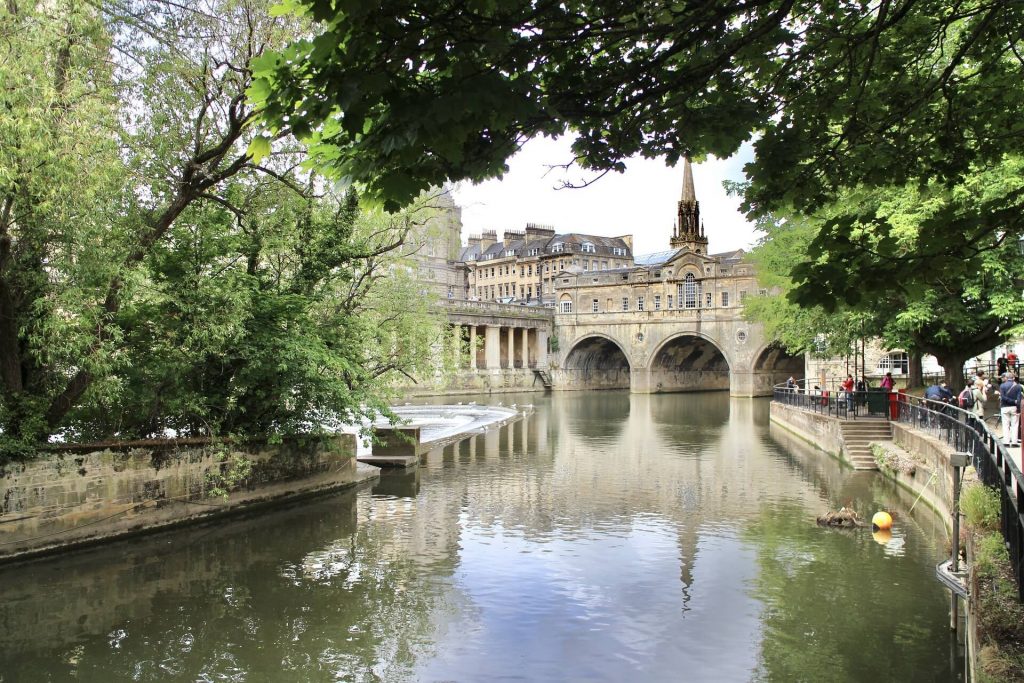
(882, 520)
(882, 536)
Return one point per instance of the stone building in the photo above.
(434, 247)
(684, 277)
(523, 266)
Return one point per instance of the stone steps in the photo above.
(857, 438)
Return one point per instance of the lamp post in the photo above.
(1020, 244)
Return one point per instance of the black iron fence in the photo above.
(835, 401)
(963, 431)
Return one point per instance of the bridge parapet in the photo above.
(461, 311)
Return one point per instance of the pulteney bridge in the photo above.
(670, 350)
(673, 350)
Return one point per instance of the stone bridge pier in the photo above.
(683, 351)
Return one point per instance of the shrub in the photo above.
(981, 506)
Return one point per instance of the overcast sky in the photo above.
(641, 201)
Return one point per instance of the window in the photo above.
(556, 248)
(492, 271)
(743, 295)
(566, 307)
(521, 272)
(585, 264)
(762, 292)
(593, 265)
(657, 302)
(670, 301)
(604, 265)
(689, 294)
(725, 299)
(529, 292)
(529, 270)
(639, 303)
(594, 306)
(547, 267)
(588, 248)
(618, 251)
(896, 362)
(625, 303)
(522, 291)
(708, 302)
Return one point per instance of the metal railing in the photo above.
(963, 431)
(835, 401)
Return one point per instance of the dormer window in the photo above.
(588, 248)
(557, 248)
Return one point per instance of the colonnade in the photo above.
(494, 347)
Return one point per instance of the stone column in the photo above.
(524, 353)
(492, 347)
(457, 334)
(542, 349)
(472, 347)
(511, 347)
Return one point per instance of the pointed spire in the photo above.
(689, 195)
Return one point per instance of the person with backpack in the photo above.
(971, 400)
(1009, 410)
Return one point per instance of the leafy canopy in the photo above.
(854, 250)
(401, 94)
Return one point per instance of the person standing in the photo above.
(1001, 365)
(1011, 361)
(847, 387)
(978, 391)
(887, 382)
(1009, 410)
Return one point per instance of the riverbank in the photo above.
(89, 495)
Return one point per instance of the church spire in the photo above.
(689, 194)
(689, 230)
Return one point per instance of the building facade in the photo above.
(523, 266)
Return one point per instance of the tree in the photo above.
(403, 95)
(854, 250)
(160, 267)
(61, 184)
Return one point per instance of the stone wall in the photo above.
(74, 498)
(820, 430)
(480, 382)
(934, 476)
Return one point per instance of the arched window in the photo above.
(691, 291)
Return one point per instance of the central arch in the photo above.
(688, 362)
(595, 362)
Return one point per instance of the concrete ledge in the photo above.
(75, 499)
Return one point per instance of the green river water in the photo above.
(606, 537)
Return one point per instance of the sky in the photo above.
(641, 201)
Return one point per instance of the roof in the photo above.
(655, 258)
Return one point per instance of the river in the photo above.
(606, 537)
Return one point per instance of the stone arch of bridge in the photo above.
(689, 361)
(774, 365)
(596, 361)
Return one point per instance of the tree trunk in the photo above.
(915, 374)
(953, 363)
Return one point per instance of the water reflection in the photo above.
(606, 537)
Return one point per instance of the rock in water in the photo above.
(845, 518)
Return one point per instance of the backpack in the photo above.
(966, 398)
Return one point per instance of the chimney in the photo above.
(511, 236)
(474, 240)
(487, 238)
(536, 231)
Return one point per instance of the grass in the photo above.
(998, 607)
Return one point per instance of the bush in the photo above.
(981, 506)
